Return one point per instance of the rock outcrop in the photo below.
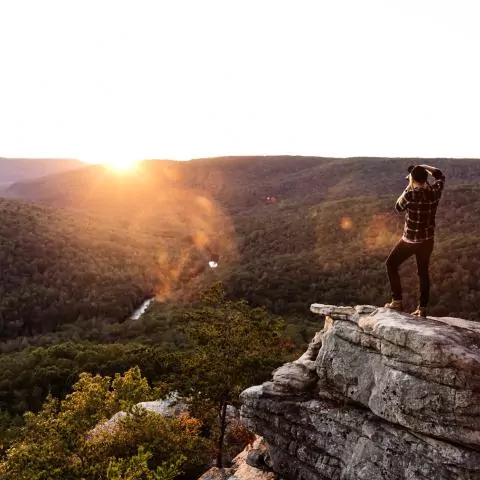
(171, 406)
(377, 395)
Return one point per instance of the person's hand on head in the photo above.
(409, 177)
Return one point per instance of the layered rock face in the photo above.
(377, 395)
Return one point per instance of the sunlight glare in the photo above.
(121, 165)
(116, 163)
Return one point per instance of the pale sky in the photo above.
(99, 79)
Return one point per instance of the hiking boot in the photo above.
(420, 312)
(395, 305)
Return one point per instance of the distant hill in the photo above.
(237, 183)
(244, 182)
(20, 169)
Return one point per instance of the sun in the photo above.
(115, 163)
(121, 165)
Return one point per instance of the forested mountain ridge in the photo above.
(244, 181)
(239, 183)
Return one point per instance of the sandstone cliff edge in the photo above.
(377, 395)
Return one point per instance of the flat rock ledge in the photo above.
(377, 395)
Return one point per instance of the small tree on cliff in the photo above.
(234, 346)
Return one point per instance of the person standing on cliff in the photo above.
(419, 201)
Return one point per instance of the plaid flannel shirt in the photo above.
(420, 205)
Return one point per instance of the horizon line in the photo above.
(86, 162)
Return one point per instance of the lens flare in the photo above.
(196, 234)
(381, 232)
(346, 223)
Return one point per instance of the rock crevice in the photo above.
(378, 395)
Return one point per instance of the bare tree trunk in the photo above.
(223, 427)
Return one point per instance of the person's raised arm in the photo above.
(439, 177)
(436, 173)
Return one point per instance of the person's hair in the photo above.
(418, 176)
(415, 183)
(418, 173)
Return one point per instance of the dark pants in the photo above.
(401, 251)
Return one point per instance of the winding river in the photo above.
(142, 309)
